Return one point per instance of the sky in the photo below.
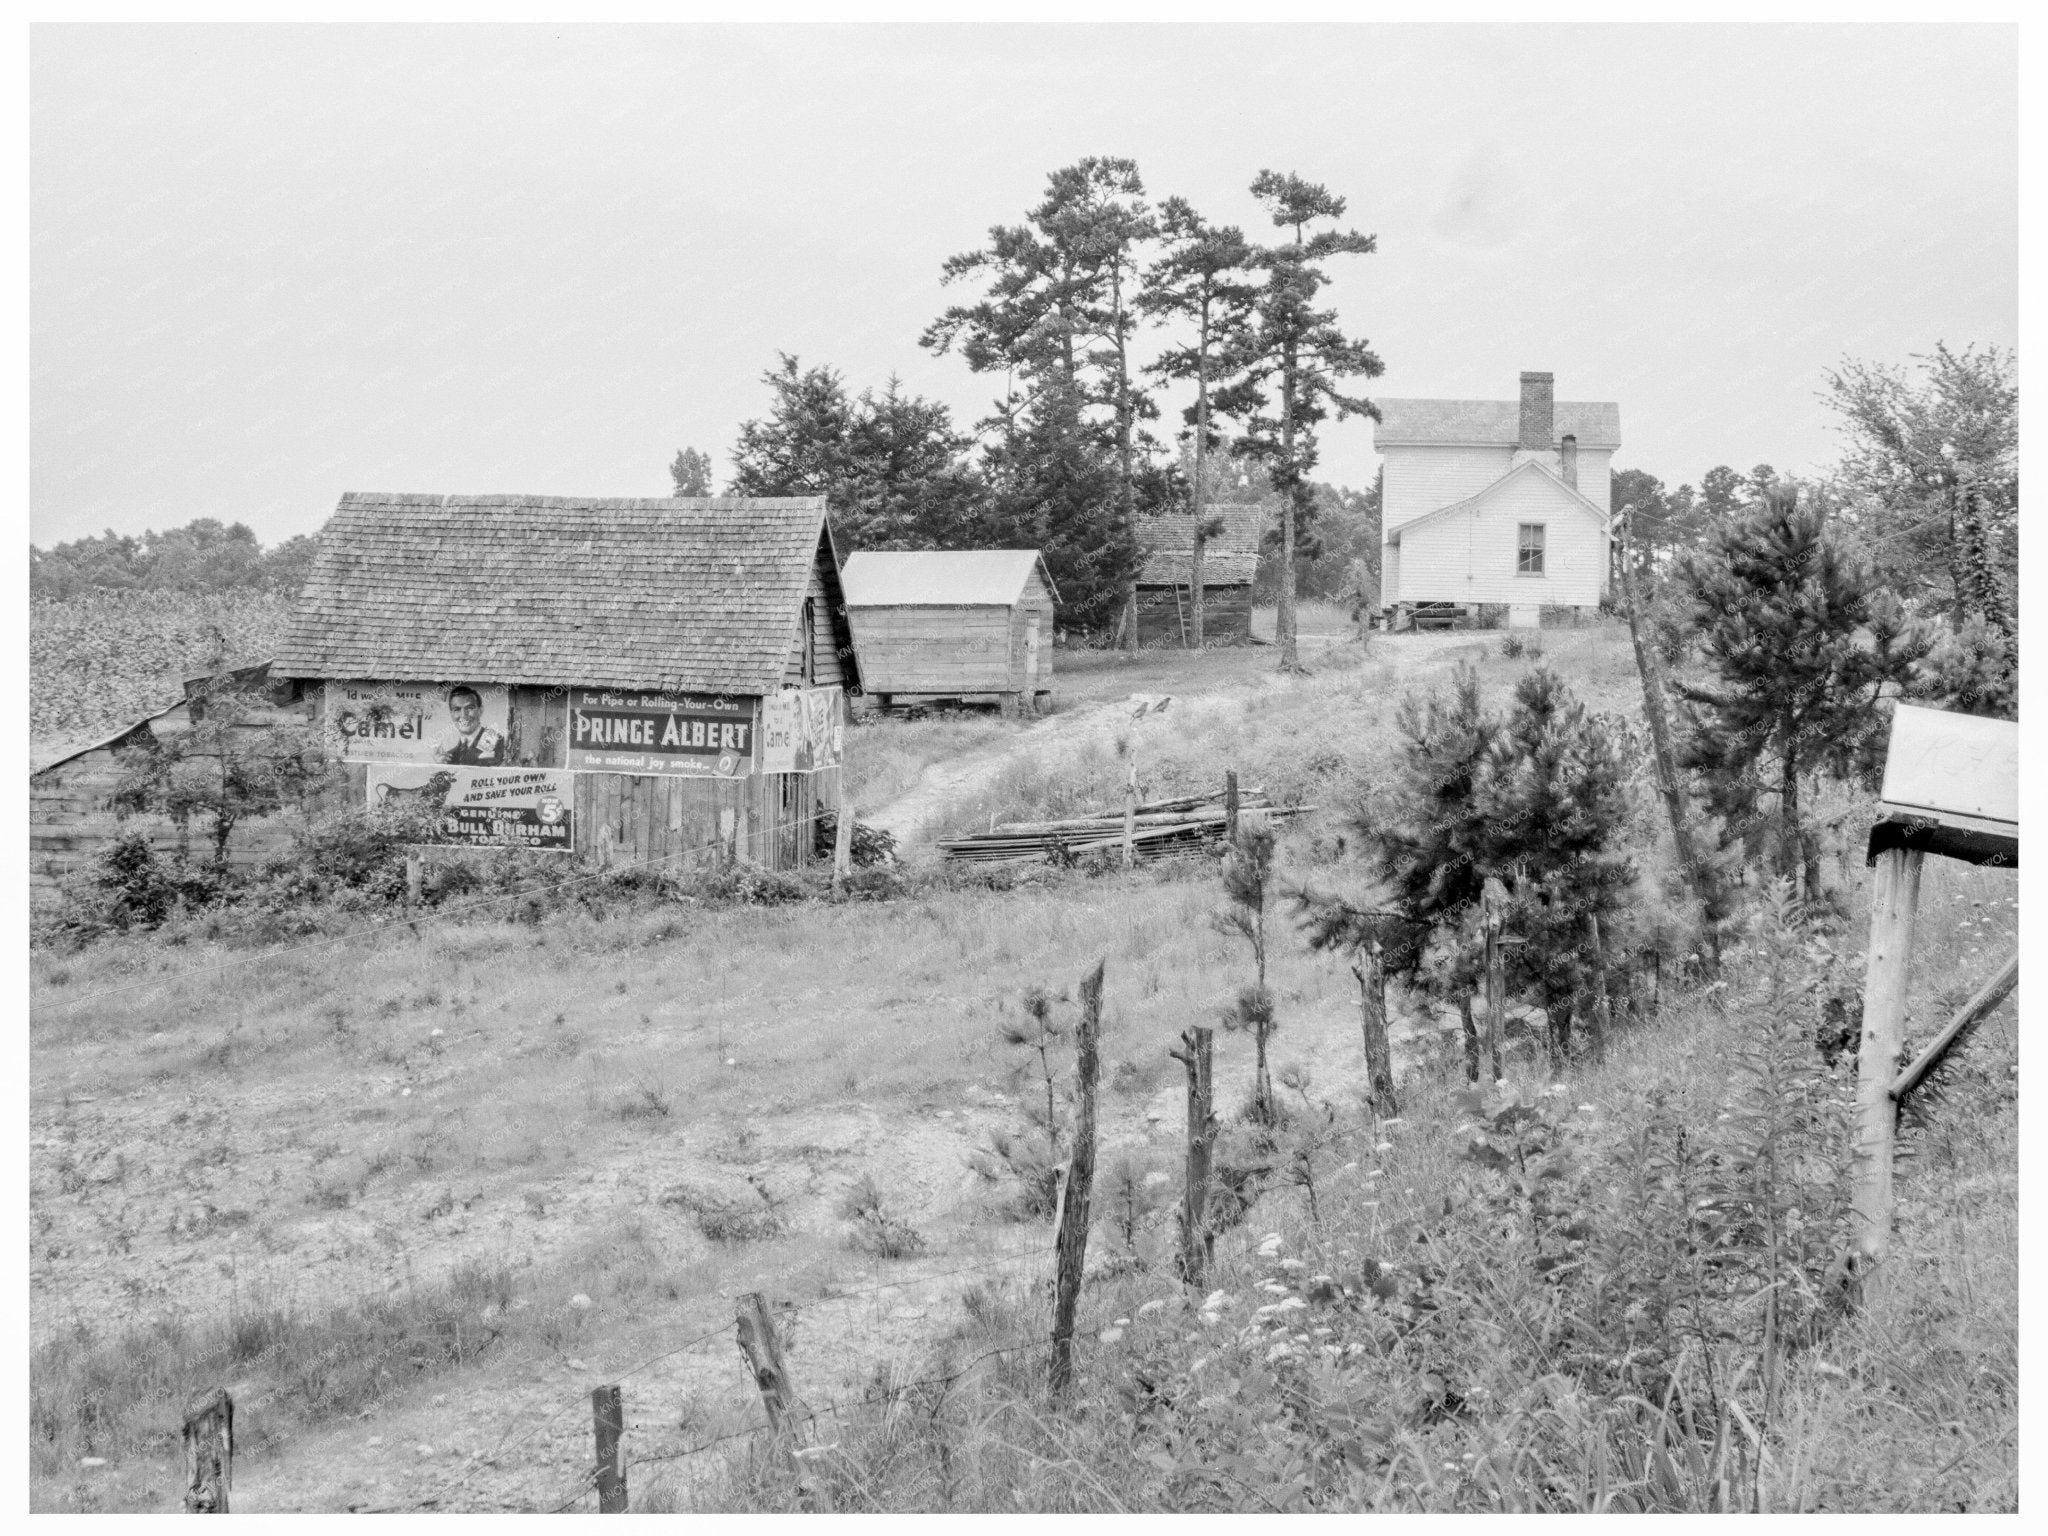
(271, 265)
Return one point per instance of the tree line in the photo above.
(1067, 459)
(205, 555)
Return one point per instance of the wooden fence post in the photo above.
(608, 1413)
(1650, 668)
(786, 1412)
(1601, 1014)
(842, 846)
(209, 1453)
(1073, 1226)
(1230, 805)
(1197, 1243)
(1130, 807)
(414, 878)
(1493, 905)
(1372, 1010)
(1894, 900)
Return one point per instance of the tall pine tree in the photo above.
(1297, 351)
(1200, 280)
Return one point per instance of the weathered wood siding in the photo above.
(72, 820)
(762, 818)
(1469, 557)
(1036, 603)
(827, 666)
(1226, 614)
(684, 822)
(950, 650)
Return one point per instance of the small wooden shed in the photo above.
(974, 625)
(1230, 559)
(640, 680)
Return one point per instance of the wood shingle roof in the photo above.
(1230, 558)
(699, 594)
(1492, 423)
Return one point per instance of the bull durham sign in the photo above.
(628, 731)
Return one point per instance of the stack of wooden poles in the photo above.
(1159, 829)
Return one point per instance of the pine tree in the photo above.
(1536, 799)
(1199, 281)
(1803, 654)
(1549, 802)
(1299, 351)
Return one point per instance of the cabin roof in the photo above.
(1492, 423)
(1230, 558)
(698, 593)
(942, 578)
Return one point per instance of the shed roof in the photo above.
(941, 578)
(1492, 423)
(696, 593)
(1230, 558)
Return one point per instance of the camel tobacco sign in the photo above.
(628, 731)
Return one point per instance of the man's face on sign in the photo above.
(467, 711)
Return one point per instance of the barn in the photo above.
(639, 680)
(974, 625)
(1230, 559)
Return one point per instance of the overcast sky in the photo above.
(272, 265)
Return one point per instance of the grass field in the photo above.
(414, 1193)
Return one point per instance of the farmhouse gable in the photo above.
(703, 594)
(1496, 502)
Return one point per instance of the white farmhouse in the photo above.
(1496, 502)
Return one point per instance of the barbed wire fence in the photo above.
(840, 1409)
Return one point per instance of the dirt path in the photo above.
(912, 819)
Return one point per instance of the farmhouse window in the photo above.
(1529, 550)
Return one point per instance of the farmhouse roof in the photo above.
(1492, 423)
(1572, 495)
(698, 593)
(1230, 558)
(941, 578)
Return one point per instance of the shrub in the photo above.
(875, 1230)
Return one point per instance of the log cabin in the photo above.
(1230, 559)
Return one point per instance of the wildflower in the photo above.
(1269, 1246)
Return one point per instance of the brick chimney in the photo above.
(1568, 460)
(1537, 413)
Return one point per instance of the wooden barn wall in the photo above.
(827, 668)
(687, 822)
(932, 650)
(1226, 614)
(766, 819)
(72, 821)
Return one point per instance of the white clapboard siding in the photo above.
(1596, 476)
(1421, 478)
(1469, 556)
